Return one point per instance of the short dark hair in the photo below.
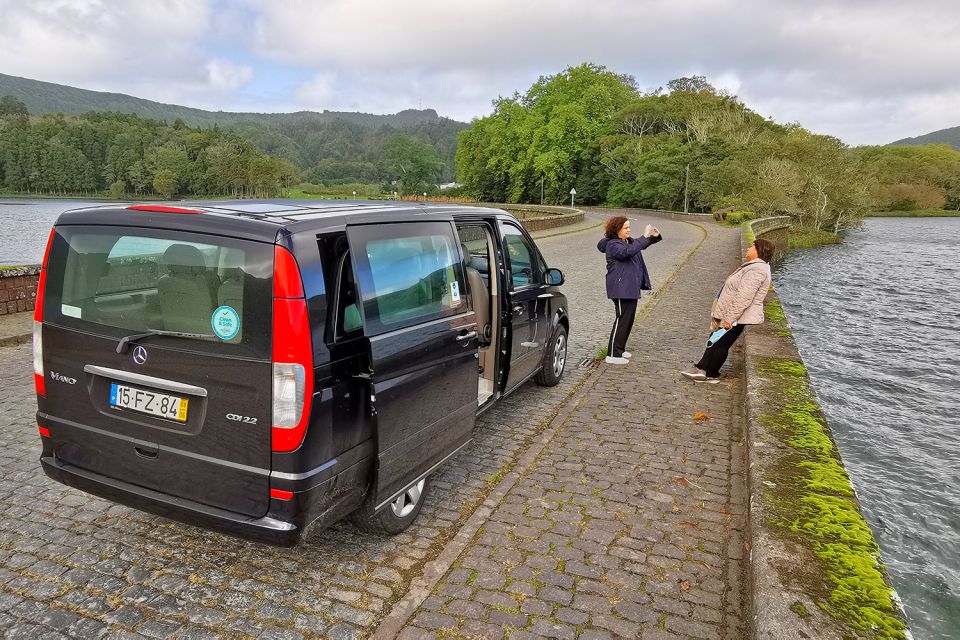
(613, 226)
(765, 249)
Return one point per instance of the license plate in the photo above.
(149, 402)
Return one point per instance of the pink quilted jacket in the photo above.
(741, 299)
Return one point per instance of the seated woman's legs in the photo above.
(714, 357)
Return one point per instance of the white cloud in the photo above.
(796, 59)
(863, 70)
(153, 49)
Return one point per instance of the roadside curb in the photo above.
(422, 586)
(10, 341)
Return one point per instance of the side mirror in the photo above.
(554, 277)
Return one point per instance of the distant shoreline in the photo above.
(919, 213)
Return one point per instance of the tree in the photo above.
(542, 136)
(413, 163)
(691, 84)
(11, 106)
(165, 183)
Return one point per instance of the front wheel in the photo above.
(396, 516)
(554, 358)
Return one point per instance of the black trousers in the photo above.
(626, 310)
(714, 357)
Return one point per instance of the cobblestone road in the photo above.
(629, 523)
(72, 565)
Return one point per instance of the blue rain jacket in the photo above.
(626, 272)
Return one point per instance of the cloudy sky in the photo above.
(866, 71)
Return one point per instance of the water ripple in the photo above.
(876, 320)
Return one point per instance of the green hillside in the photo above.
(330, 145)
(949, 136)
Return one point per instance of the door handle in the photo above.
(147, 452)
(519, 308)
(465, 337)
(545, 295)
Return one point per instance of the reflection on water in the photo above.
(25, 225)
(877, 321)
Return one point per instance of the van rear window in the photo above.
(215, 292)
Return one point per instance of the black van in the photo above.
(267, 367)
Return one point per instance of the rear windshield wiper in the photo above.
(126, 341)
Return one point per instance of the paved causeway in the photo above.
(598, 508)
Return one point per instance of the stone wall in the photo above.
(540, 217)
(18, 289)
(775, 229)
(815, 567)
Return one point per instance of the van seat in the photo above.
(481, 304)
(187, 291)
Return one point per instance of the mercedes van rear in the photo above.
(172, 358)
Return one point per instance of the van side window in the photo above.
(409, 273)
(348, 320)
(525, 268)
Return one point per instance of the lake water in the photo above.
(877, 321)
(25, 225)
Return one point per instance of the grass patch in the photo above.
(813, 504)
(601, 354)
(916, 213)
(805, 238)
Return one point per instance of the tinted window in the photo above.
(524, 260)
(409, 273)
(121, 281)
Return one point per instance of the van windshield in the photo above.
(213, 293)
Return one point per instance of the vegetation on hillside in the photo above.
(331, 147)
(590, 129)
(125, 155)
(950, 136)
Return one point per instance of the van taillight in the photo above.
(39, 378)
(292, 354)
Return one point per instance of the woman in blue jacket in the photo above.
(626, 277)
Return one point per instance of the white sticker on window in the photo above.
(225, 322)
(454, 293)
(68, 310)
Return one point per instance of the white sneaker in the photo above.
(694, 374)
(627, 354)
(613, 360)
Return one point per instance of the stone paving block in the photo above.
(189, 577)
(624, 520)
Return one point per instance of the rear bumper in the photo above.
(267, 529)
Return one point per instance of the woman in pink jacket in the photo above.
(739, 303)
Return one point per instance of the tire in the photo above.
(554, 358)
(396, 516)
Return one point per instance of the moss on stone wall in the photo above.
(776, 318)
(812, 503)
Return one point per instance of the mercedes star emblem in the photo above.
(139, 355)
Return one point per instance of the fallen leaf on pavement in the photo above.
(685, 585)
(700, 415)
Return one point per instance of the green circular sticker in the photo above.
(225, 322)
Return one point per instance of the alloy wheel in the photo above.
(559, 355)
(408, 500)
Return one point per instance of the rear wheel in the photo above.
(554, 358)
(396, 516)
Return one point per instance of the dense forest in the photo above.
(328, 147)
(691, 146)
(127, 155)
